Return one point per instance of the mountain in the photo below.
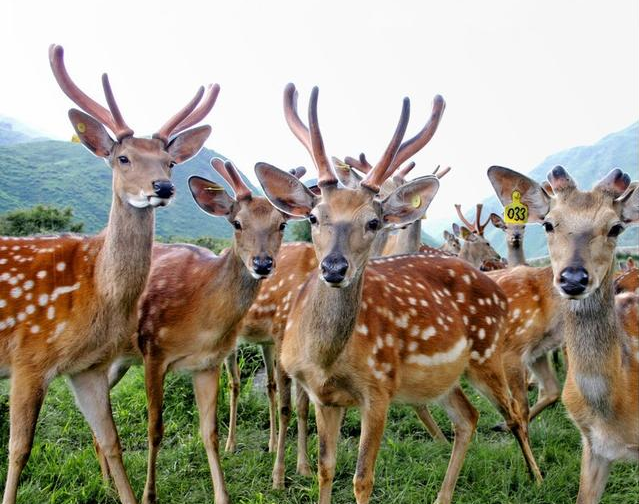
(67, 174)
(587, 165)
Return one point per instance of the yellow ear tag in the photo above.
(416, 201)
(81, 127)
(343, 166)
(75, 139)
(213, 189)
(516, 212)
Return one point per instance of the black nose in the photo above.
(163, 188)
(262, 265)
(573, 281)
(334, 267)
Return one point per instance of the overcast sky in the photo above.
(522, 80)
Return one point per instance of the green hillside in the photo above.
(587, 165)
(66, 174)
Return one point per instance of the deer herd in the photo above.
(363, 317)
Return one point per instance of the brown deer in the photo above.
(514, 240)
(601, 392)
(627, 279)
(193, 303)
(396, 328)
(67, 302)
(476, 249)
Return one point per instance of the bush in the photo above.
(40, 219)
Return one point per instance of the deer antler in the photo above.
(471, 227)
(112, 118)
(298, 172)
(384, 168)
(230, 173)
(413, 145)
(202, 110)
(360, 164)
(310, 138)
(441, 174)
(480, 227)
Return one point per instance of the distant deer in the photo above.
(476, 249)
(451, 243)
(601, 392)
(398, 328)
(514, 240)
(193, 303)
(67, 302)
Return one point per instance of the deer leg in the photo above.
(490, 379)
(26, 396)
(329, 420)
(91, 389)
(464, 418)
(271, 390)
(284, 392)
(301, 405)
(594, 475)
(429, 422)
(549, 388)
(373, 422)
(516, 378)
(206, 386)
(154, 373)
(116, 373)
(233, 373)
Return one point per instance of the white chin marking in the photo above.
(155, 202)
(342, 284)
(257, 276)
(138, 202)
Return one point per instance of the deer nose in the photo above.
(334, 267)
(163, 188)
(573, 280)
(263, 265)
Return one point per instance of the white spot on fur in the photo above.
(440, 357)
(61, 266)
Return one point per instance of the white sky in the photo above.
(522, 80)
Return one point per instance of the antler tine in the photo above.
(470, 226)
(478, 226)
(228, 171)
(360, 164)
(90, 106)
(441, 174)
(202, 110)
(413, 145)
(298, 172)
(123, 129)
(385, 167)
(293, 120)
(406, 169)
(326, 175)
(165, 131)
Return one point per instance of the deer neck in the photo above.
(467, 254)
(516, 255)
(328, 318)
(409, 239)
(232, 275)
(124, 261)
(594, 345)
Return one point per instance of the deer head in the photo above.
(514, 232)
(141, 166)
(581, 226)
(451, 243)
(476, 249)
(259, 227)
(345, 221)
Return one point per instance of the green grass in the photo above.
(410, 467)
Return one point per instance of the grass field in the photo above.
(410, 467)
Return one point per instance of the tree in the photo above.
(216, 245)
(40, 219)
(301, 231)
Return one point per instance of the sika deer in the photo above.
(344, 340)
(193, 303)
(476, 248)
(67, 302)
(601, 392)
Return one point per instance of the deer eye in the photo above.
(172, 164)
(282, 226)
(123, 159)
(548, 227)
(312, 219)
(237, 225)
(615, 230)
(372, 225)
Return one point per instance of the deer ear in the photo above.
(285, 191)
(345, 174)
(188, 143)
(91, 133)
(447, 235)
(211, 197)
(467, 235)
(506, 181)
(629, 203)
(497, 221)
(409, 202)
(456, 229)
